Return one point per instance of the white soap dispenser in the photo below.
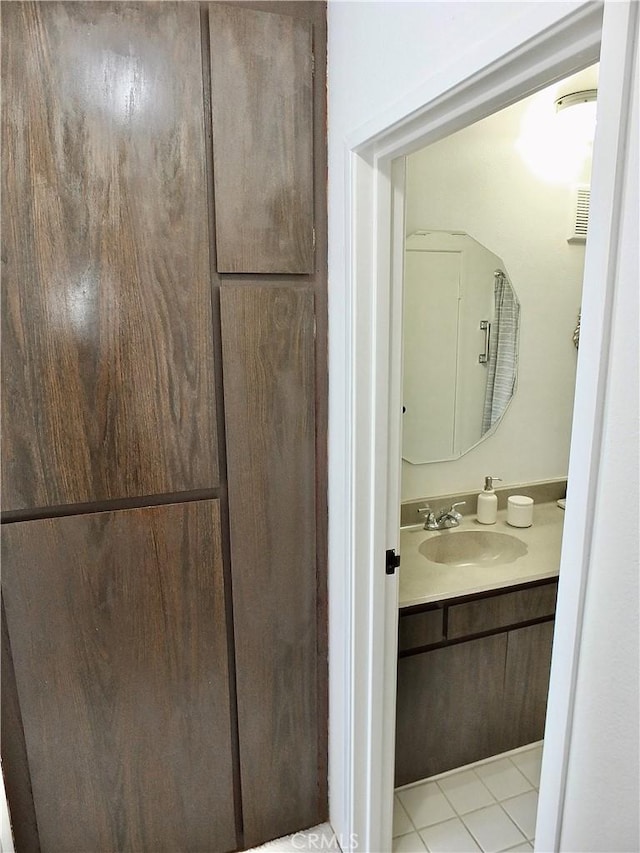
(488, 502)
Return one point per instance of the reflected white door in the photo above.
(431, 303)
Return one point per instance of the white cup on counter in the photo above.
(519, 511)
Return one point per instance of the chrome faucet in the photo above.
(443, 519)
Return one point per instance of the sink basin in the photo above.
(472, 548)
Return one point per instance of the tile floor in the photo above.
(489, 806)
(319, 838)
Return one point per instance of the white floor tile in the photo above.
(465, 792)
(401, 823)
(523, 810)
(492, 829)
(451, 836)
(318, 838)
(529, 763)
(520, 848)
(411, 843)
(503, 779)
(426, 804)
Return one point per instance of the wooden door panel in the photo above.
(108, 387)
(15, 765)
(268, 367)
(117, 629)
(262, 115)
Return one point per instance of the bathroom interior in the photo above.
(496, 222)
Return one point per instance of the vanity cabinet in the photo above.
(481, 687)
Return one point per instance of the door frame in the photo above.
(363, 600)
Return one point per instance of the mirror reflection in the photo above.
(461, 329)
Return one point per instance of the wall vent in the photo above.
(580, 214)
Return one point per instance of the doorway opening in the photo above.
(365, 509)
(492, 287)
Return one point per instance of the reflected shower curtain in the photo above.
(503, 352)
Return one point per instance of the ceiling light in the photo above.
(556, 136)
(576, 113)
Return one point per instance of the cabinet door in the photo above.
(117, 630)
(262, 116)
(268, 364)
(449, 707)
(107, 333)
(526, 684)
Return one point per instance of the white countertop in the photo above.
(422, 581)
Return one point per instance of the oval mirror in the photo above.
(460, 355)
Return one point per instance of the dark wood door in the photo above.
(268, 361)
(449, 707)
(107, 353)
(123, 727)
(262, 114)
(117, 630)
(15, 764)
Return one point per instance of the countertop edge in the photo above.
(489, 587)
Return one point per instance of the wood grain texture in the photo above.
(15, 764)
(527, 684)
(106, 341)
(268, 368)
(449, 707)
(419, 629)
(315, 13)
(499, 611)
(262, 108)
(117, 630)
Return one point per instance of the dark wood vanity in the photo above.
(473, 677)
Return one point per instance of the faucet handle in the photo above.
(454, 512)
(429, 517)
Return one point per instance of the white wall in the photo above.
(385, 60)
(476, 181)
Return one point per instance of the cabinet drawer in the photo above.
(500, 611)
(420, 629)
